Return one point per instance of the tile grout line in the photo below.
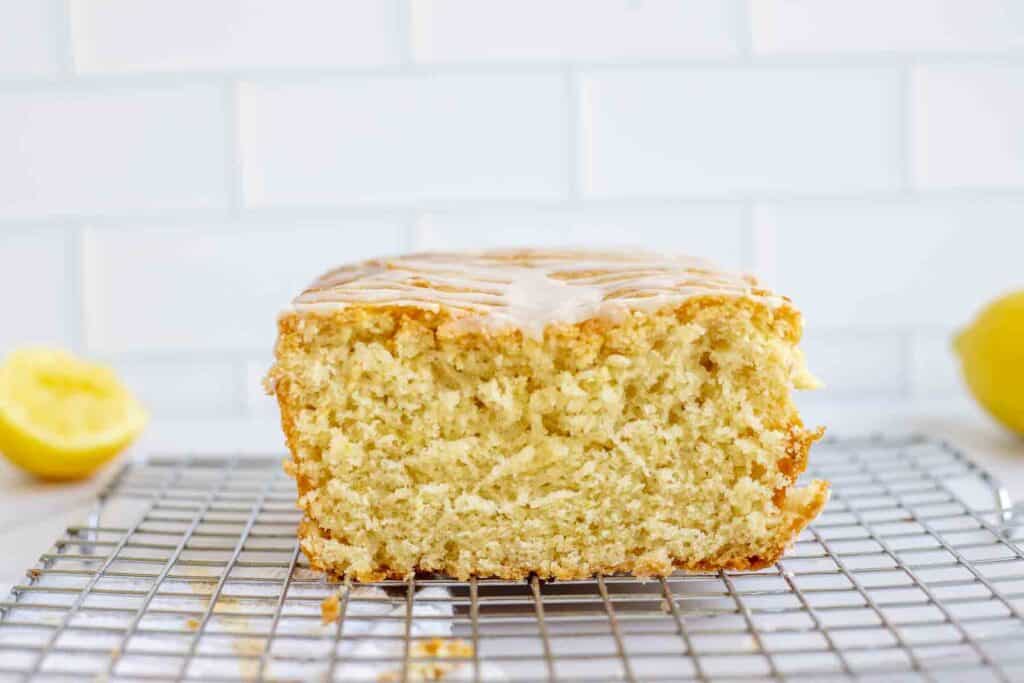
(271, 217)
(748, 240)
(573, 135)
(763, 241)
(906, 389)
(744, 34)
(240, 371)
(408, 66)
(65, 41)
(410, 233)
(906, 129)
(582, 149)
(406, 49)
(232, 151)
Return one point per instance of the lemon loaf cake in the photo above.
(563, 413)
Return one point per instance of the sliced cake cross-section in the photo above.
(562, 413)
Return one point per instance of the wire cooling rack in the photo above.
(189, 569)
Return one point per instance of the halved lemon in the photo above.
(62, 417)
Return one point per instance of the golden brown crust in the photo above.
(527, 289)
(291, 324)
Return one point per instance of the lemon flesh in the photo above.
(62, 417)
(991, 352)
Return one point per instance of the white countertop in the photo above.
(33, 513)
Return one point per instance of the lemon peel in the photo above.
(62, 417)
(991, 351)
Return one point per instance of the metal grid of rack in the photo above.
(189, 569)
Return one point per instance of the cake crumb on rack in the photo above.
(441, 648)
(330, 609)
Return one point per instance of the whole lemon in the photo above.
(991, 352)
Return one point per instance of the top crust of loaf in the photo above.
(526, 290)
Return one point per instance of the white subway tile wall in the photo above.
(724, 131)
(183, 387)
(877, 27)
(111, 148)
(118, 36)
(169, 179)
(208, 287)
(713, 231)
(404, 139)
(852, 363)
(257, 402)
(917, 264)
(445, 31)
(967, 125)
(934, 368)
(36, 287)
(31, 44)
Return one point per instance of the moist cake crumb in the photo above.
(562, 413)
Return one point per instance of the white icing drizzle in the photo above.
(527, 289)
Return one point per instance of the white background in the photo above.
(171, 173)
